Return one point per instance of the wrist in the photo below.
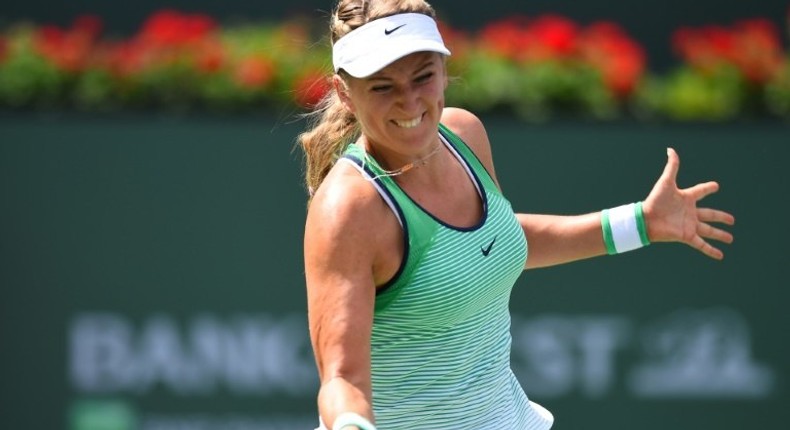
(650, 222)
(624, 228)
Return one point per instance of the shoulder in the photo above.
(345, 202)
(472, 131)
(345, 219)
(466, 125)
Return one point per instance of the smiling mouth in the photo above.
(409, 123)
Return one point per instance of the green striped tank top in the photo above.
(441, 330)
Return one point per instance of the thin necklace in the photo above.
(417, 163)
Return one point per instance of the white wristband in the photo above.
(349, 419)
(624, 228)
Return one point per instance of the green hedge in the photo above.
(533, 68)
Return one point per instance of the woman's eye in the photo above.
(424, 78)
(381, 88)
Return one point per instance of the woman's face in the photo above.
(399, 107)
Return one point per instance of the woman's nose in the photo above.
(408, 98)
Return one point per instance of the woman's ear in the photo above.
(342, 91)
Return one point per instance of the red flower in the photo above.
(254, 72)
(753, 46)
(123, 59)
(719, 40)
(72, 49)
(758, 50)
(507, 37)
(210, 57)
(172, 28)
(49, 35)
(706, 47)
(620, 60)
(555, 34)
(310, 88)
(547, 37)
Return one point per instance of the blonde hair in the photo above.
(332, 126)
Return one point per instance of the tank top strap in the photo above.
(418, 227)
(470, 157)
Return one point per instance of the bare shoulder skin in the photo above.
(472, 131)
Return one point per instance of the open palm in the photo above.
(672, 214)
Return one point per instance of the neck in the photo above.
(421, 161)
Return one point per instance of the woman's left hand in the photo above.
(672, 215)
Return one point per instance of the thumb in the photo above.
(671, 168)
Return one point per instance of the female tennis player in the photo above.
(411, 249)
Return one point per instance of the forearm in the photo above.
(558, 239)
(339, 395)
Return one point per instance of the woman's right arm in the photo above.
(339, 251)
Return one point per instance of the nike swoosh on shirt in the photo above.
(390, 31)
(487, 250)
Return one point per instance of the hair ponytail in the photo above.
(332, 129)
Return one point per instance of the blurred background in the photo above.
(151, 207)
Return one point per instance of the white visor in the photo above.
(371, 47)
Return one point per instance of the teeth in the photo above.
(409, 123)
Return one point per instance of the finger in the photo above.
(670, 172)
(710, 232)
(700, 191)
(715, 215)
(706, 248)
